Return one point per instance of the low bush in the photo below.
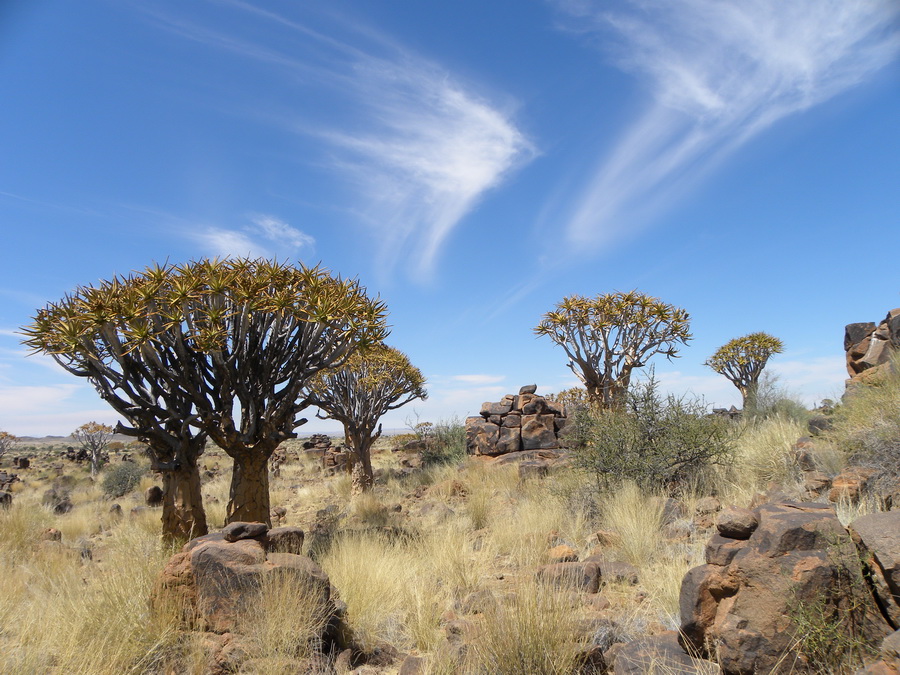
(772, 400)
(446, 443)
(652, 440)
(120, 479)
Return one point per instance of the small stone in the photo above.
(708, 505)
(236, 531)
(736, 523)
(562, 553)
(528, 389)
(51, 534)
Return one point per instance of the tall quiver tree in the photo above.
(359, 393)
(742, 361)
(608, 336)
(217, 349)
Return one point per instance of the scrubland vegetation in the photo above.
(431, 552)
(429, 560)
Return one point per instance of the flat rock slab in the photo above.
(659, 655)
(584, 577)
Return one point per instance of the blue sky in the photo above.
(471, 163)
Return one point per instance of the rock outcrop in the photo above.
(797, 564)
(522, 422)
(217, 577)
(869, 347)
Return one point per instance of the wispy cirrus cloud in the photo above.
(421, 148)
(428, 151)
(264, 237)
(718, 73)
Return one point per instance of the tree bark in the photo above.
(361, 440)
(183, 516)
(365, 458)
(249, 494)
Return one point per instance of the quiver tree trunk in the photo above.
(248, 498)
(361, 441)
(183, 516)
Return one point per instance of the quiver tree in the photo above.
(217, 349)
(369, 384)
(7, 441)
(742, 361)
(608, 336)
(93, 437)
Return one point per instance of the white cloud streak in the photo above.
(478, 379)
(423, 147)
(719, 72)
(426, 153)
(280, 239)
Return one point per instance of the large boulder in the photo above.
(481, 436)
(869, 347)
(745, 604)
(213, 581)
(538, 432)
(877, 536)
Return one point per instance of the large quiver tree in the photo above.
(608, 336)
(210, 348)
(742, 361)
(370, 383)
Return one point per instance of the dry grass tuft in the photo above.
(638, 519)
(286, 620)
(534, 631)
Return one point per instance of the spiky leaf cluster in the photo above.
(743, 359)
(609, 335)
(371, 383)
(179, 345)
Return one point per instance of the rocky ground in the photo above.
(486, 565)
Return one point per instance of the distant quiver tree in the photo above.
(94, 438)
(7, 441)
(742, 361)
(608, 336)
(212, 348)
(371, 382)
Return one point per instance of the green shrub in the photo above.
(122, 478)
(772, 400)
(446, 443)
(652, 440)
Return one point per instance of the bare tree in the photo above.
(94, 438)
(217, 349)
(608, 336)
(360, 392)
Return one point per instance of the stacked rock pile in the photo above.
(334, 458)
(869, 347)
(523, 422)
